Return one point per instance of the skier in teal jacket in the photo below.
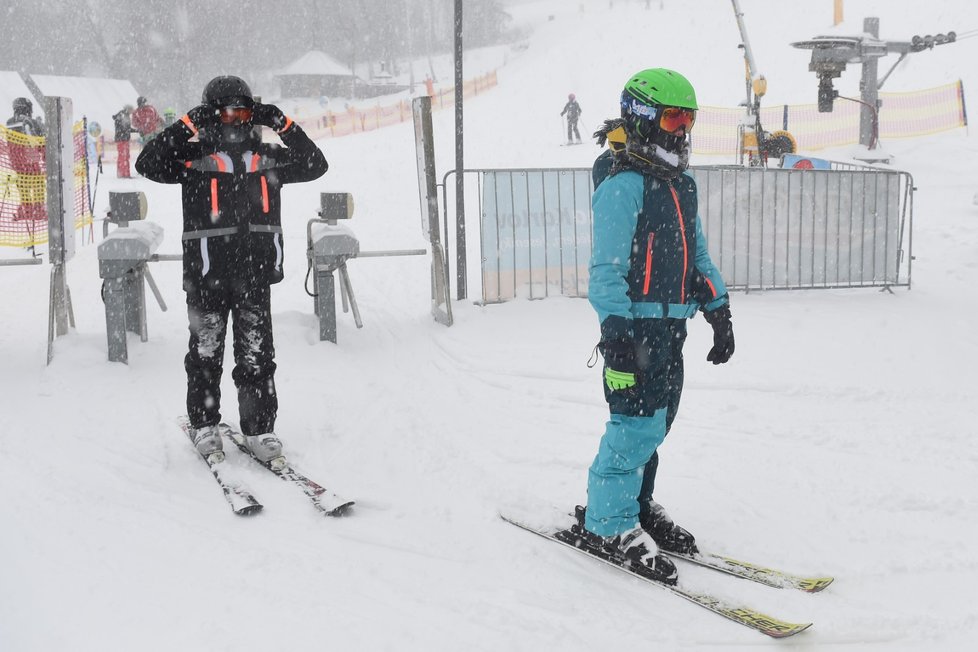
(650, 272)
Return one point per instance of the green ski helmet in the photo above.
(644, 103)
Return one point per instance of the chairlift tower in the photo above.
(831, 55)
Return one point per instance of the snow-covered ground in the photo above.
(840, 439)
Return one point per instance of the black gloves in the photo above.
(268, 115)
(620, 365)
(723, 337)
(204, 116)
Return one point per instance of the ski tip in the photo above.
(342, 510)
(248, 510)
(814, 584)
(786, 629)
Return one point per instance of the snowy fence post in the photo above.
(428, 190)
(59, 157)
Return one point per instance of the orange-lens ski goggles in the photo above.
(673, 118)
(235, 115)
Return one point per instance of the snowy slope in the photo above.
(839, 439)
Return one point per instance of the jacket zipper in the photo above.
(648, 265)
(264, 194)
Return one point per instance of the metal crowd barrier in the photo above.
(766, 229)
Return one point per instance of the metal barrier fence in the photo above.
(766, 228)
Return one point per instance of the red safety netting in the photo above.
(23, 208)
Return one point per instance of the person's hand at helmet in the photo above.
(269, 115)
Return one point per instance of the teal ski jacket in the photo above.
(648, 253)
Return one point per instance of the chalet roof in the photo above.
(316, 62)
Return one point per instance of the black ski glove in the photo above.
(269, 115)
(203, 117)
(723, 337)
(620, 367)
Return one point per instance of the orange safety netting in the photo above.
(902, 115)
(23, 170)
(354, 120)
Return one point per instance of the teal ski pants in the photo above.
(622, 477)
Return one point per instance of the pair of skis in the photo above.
(740, 614)
(242, 501)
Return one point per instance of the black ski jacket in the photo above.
(26, 124)
(232, 224)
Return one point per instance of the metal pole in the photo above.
(869, 89)
(459, 158)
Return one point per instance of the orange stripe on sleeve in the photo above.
(190, 125)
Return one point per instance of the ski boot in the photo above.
(207, 440)
(635, 549)
(667, 535)
(267, 448)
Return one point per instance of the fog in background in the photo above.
(169, 49)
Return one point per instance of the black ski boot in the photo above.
(635, 549)
(668, 536)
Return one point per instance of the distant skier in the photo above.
(123, 134)
(232, 248)
(27, 162)
(23, 119)
(650, 272)
(146, 120)
(573, 111)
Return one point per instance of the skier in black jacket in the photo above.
(573, 111)
(232, 248)
(23, 119)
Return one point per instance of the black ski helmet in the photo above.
(227, 90)
(224, 92)
(23, 106)
(141, 101)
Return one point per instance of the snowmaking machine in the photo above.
(755, 144)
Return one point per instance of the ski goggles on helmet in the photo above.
(235, 115)
(667, 118)
(673, 117)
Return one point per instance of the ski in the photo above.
(241, 500)
(740, 614)
(745, 570)
(748, 571)
(325, 501)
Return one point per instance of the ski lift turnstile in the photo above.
(329, 246)
(122, 258)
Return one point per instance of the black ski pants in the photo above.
(249, 308)
(572, 129)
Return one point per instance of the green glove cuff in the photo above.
(616, 380)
